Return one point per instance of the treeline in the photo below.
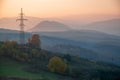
(41, 59)
(14, 50)
(22, 52)
(31, 52)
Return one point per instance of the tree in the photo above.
(67, 57)
(3, 50)
(11, 44)
(70, 70)
(35, 52)
(56, 64)
(35, 41)
(76, 57)
(22, 57)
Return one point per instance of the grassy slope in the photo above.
(12, 68)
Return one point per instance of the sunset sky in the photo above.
(58, 8)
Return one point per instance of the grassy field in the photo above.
(11, 68)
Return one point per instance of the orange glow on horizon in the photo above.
(57, 8)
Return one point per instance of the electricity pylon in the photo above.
(22, 35)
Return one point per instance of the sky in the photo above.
(58, 8)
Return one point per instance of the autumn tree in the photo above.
(56, 64)
(35, 41)
(8, 47)
(11, 44)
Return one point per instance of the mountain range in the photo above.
(110, 26)
(49, 26)
(11, 23)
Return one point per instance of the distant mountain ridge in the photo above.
(82, 35)
(10, 23)
(108, 26)
(2, 30)
(50, 26)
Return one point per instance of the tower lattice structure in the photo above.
(22, 34)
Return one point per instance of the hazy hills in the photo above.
(8, 31)
(111, 26)
(86, 43)
(108, 26)
(105, 45)
(10, 23)
(49, 26)
(82, 35)
(101, 38)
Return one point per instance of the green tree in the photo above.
(76, 58)
(22, 57)
(35, 52)
(3, 50)
(12, 47)
(70, 70)
(67, 57)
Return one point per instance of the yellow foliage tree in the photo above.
(56, 64)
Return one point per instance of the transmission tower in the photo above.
(22, 35)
